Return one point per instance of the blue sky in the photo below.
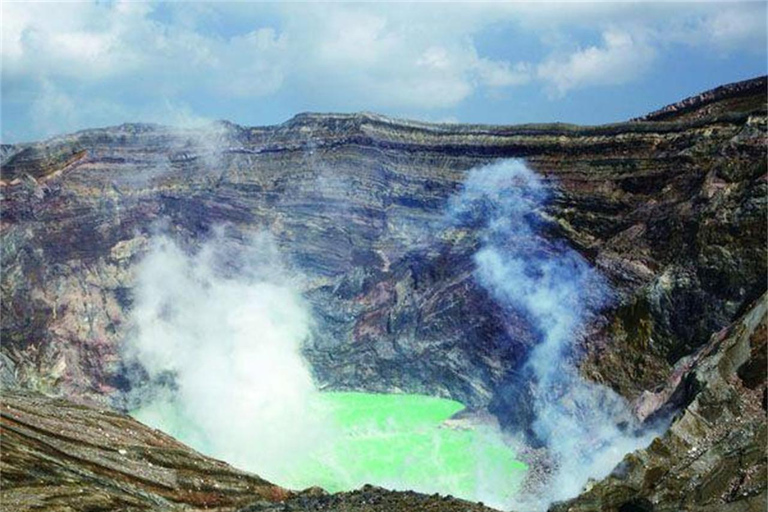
(68, 66)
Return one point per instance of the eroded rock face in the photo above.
(670, 209)
(726, 98)
(713, 456)
(61, 456)
(672, 212)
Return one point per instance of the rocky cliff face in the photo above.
(671, 209)
(713, 456)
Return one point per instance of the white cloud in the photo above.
(372, 54)
(250, 66)
(376, 56)
(94, 42)
(52, 107)
(349, 37)
(730, 28)
(620, 59)
(502, 74)
(129, 57)
(88, 41)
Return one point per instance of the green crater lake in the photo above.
(395, 441)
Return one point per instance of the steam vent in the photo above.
(355, 312)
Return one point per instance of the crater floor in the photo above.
(392, 440)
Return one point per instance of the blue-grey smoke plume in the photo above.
(586, 427)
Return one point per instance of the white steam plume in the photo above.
(218, 334)
(586, 426)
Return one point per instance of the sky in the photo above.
(71, 66)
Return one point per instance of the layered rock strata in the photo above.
(671, 209)
(61, 456)
(713, 456)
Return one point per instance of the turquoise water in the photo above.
(396, 441)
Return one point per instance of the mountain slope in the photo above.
(58, 455)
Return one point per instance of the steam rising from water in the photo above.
(579, 421)
(219, 334)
